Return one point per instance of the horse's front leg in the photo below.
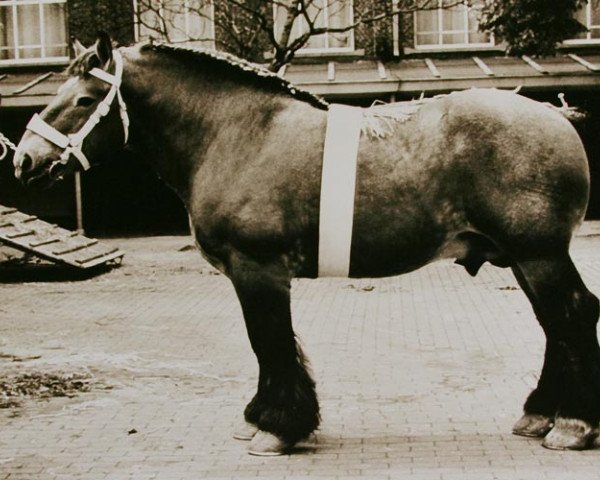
(285, 408)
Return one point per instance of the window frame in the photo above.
(43, 59)
(211, 21)
(320, 50)
(440, 32)
(588, 40)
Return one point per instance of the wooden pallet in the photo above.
(30, 234)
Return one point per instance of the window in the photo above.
(33, 31)
(322, 13)
(178, 21)
(589, 16)
(450, 27)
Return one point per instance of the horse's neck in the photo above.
(179, 121)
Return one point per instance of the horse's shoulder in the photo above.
(238, 215)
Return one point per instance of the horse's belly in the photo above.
(384, 256)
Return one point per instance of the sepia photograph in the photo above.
(299, 239)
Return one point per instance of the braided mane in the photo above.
(242, 69)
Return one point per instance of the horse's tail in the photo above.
(575, 115)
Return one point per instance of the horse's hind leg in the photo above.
(542, 403)
(285, 408)
(566, 402)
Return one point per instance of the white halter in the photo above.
(72, 142)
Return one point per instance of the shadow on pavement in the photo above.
(42, 272)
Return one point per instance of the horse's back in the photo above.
(484, 161)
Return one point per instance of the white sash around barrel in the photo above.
(338, 185)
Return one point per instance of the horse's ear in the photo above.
(77, 47)
(103, 48)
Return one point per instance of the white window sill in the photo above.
(580, 43)
(325, 52)
(454, 48)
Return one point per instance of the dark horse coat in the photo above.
(479, 175)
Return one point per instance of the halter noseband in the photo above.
(72, 142)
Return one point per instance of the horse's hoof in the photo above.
(265, 444)
(570, 434)
(531, 425)
(245, 432)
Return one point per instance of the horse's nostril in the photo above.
(57, 170)
(26, 163)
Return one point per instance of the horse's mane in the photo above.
(243, 70)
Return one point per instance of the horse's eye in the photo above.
(84, 101)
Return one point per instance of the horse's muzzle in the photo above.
(36, 174)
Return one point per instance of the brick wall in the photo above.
(115, 17)
(375, 38)
(406, 27)
(255, 45)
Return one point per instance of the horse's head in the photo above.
(81, 124)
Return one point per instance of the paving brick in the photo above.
(419, 376)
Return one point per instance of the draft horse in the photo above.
(479, 175)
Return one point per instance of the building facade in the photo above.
(399, 58)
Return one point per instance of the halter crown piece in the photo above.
(73, 142)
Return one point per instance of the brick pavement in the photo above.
(419, 376)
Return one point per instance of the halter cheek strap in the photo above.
(73, 142)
